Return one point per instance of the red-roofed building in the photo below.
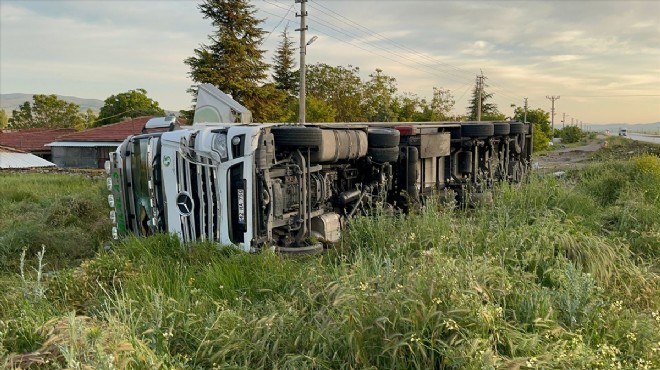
(91, 148)
(32, 140)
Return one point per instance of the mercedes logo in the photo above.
(184, 203)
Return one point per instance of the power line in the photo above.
(281, 19)
(384, 38)
(432, 69)
(348, 33)
(373, 33)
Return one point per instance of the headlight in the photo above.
(220, 145)
(113, 217)
(111, 201)
(107, 167)
(108, 182)
(115, 233)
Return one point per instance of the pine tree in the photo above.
(233, 61)
(283, 64)
(488, 110)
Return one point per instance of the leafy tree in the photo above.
(89, 118)
(379, 96)
(4, 120)
(540, 140)
(269, 102)
(539, 117)
(316, 110)
(233, 61)
(283, 64)
(340, 87)
(406, 107)
(570, 134)
(541, 121)
(46, 111)
(489, 111)
(133, 103)
(438, 109)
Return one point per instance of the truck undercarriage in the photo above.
(293, 187)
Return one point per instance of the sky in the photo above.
(602, 58)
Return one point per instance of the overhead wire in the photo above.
(370, 32)
(465, 86)
(330, 26)
(455, 73)
(422, 55)
(281, 20)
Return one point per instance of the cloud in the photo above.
(526, 49)
(479, 48)
(565, 58)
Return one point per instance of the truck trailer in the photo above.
(293, 187)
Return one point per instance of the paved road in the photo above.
(648, 139)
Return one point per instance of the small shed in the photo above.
(11, 158)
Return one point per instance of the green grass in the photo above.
(67, 214)
(556, 274)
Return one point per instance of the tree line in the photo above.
(47, 111)
(234, 62)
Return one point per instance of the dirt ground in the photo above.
(561, 159)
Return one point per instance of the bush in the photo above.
(570, 134)
(540, 140)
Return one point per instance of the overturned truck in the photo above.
(230, 181)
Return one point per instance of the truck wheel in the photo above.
(517, 128)
(298, 136)
(300, 251)
(380, 137)
(477, 129)
(501, 128)
(384, 154)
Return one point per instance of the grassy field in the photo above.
(556, 274)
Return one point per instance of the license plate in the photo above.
(241, 206)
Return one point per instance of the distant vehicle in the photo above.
(623, 132)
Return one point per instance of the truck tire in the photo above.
(384, 154)
(501, 128)
(380, 137)
(517, 128)
(298, 136)
(412, 159)
(477, 129)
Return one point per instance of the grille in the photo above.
(199, 181)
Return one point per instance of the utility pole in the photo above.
(525, 119)
(480, 90)
(552, 117)
(563, 120)
(572, 121)
(303, 51)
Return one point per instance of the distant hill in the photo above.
(9, 102)
(632, 127)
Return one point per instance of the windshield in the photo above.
(141, 160)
